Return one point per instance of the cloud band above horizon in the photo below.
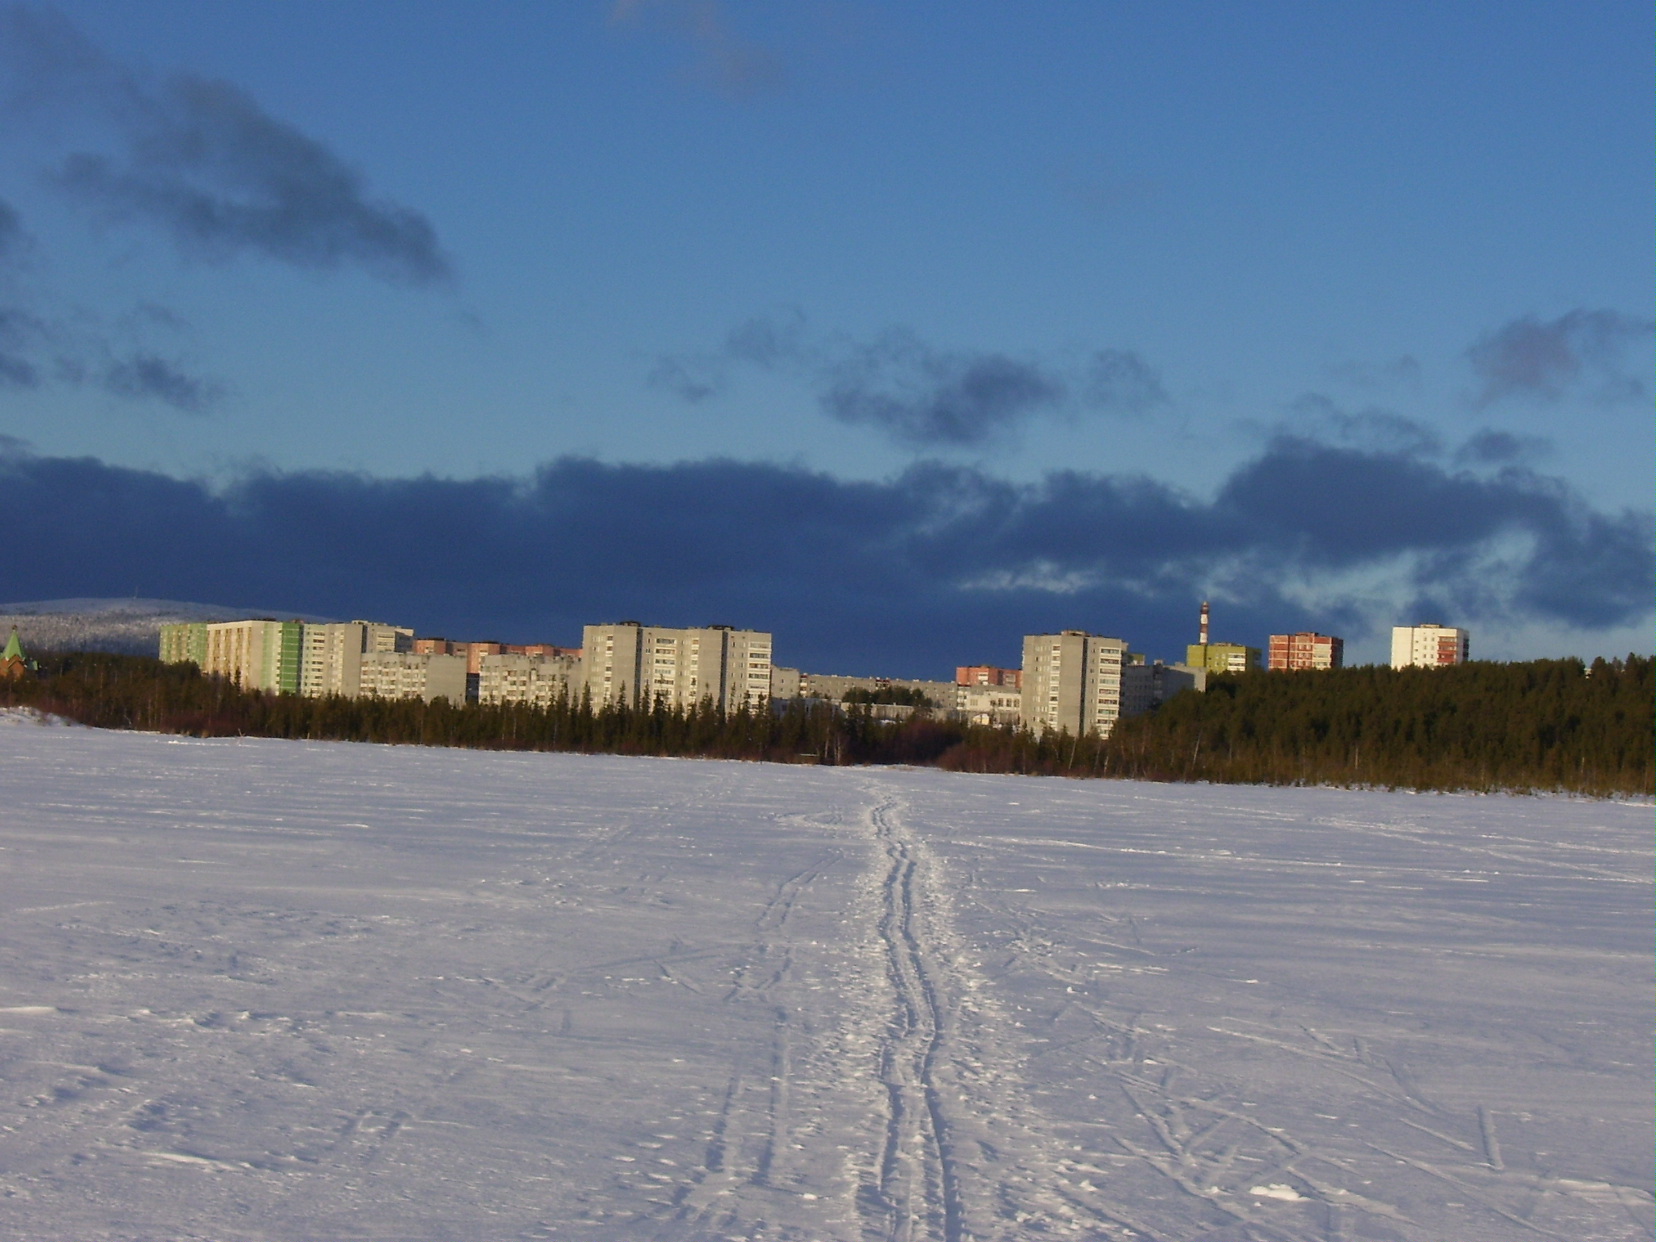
(939, 565)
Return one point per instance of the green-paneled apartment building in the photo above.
(184, 643)
(256, 655)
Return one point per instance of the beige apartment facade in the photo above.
(638, 665)
(1072, 680)
(255, 655)
(990, 704)
(410, 675)
(537, 680)
(331, 654)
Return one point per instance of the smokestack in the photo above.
(1204, 637)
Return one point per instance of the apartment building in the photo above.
(1148, 685)
(988, 675)
(1429, 645)
(1222, 657)
(539, 680)
(1072, 680)
(184, 643)
(475, 652)
(1290, 652)
(640, 664)
(989, 704)
(331, 655)
(412, 675)
(833, 686)
(255, 655)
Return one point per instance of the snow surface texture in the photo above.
(257, 989)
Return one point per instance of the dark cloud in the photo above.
(938, 566)
(22, 334)
(1120, 381)
(1337, 506)
(688, 378)
(11, 232)
(199, 158)
(1316, 416)
(1578, 352)
(35, 351)
(770, 340)
(919, 395)
(725, 62)
(1501, 448)
(148, 377)
(925, 397)
(18, 372)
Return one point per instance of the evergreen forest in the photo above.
(1543, 725)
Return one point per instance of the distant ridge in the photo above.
(129, 626)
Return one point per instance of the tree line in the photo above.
(1541, 725)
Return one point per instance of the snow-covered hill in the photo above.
(127, 626)
(253, 989)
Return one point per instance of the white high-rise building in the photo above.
(638, 664)
(1429, 646)
(1072, 680)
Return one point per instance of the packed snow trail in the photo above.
(918, 1180)
(252, 989)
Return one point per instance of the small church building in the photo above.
(13, 663)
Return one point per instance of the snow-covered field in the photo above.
(255, 989)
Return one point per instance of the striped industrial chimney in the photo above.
(1203, 639)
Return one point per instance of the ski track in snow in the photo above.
(262, 990)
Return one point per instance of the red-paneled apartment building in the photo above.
(1305, 650)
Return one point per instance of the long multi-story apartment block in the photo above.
(255, 655)
(1072, 680)
(944, 694)
(538, 680)
(1290, 652)
(475, 651)
(639, 665)
(525, 678)
(1429, 645)
(411, 675)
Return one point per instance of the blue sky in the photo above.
(965, 319)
